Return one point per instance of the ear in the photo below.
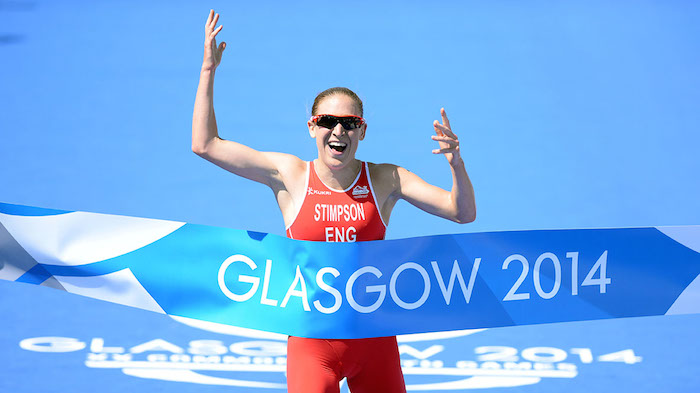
(363, 131)
(312, 129)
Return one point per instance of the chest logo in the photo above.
(360, 192)
(311, 191)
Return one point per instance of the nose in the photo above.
(338, 129)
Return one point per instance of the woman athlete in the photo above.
(306, 191)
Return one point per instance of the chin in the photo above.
(336, 162)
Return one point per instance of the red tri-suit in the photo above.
(317, 365)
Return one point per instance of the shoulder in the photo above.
(387, 172)
(289, 168)
(386, 178)
(286, 162)
(394, 180)
(382, 172)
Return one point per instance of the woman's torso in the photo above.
(332, 215)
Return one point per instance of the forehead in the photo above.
(339, 105)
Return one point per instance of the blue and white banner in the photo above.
(354, 290)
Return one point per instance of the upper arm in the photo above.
(392, 183)
(264, 167)
(423, 195)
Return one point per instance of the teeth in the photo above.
(337, 146)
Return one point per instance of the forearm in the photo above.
(204, 129)
(462, 202)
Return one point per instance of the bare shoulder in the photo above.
(286, 161)
(385, 178)
(388, 173)
(382, 172)
(290, 168)
(396, 182)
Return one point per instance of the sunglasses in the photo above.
(330, 121)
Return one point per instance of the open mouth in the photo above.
(337, 146)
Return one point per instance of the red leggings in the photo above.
(371, 365)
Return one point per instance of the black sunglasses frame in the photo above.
(330, 121)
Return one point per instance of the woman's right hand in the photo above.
(212, 53)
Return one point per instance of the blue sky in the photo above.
(570, 114)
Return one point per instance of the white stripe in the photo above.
(120, 287)
(228, 329)
(688, 235)
(374, 196)
(689, 300)
(79, 238)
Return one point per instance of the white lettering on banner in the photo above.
(336, 213)
(600, 268)
(292, 291)
(557, 275)
(426, 286)
(381, 289)
(266, 285)
(546, 286)
(246, 279)
(456, 274)
(325, 287)
(299, 280)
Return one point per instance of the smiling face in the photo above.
(337, 146)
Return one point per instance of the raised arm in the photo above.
(458, 204)
(242, 160)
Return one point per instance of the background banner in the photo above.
(354, 290)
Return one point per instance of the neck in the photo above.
(338, 178)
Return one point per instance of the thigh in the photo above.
(380, 369)
(312, 366)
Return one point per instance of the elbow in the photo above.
(203, 148)
(198, 150)
(465, 218)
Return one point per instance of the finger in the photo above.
(211, 16)
(445, 121)
(445, 139)
(447, 131)
(442, 128)
(448, 145)
(445, 150)
(438, 131)
(215, 32)
(216, 19)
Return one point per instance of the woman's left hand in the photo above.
(449, 143)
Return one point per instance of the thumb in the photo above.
(222, 46)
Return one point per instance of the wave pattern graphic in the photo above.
(354, 290)
(79, 238)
